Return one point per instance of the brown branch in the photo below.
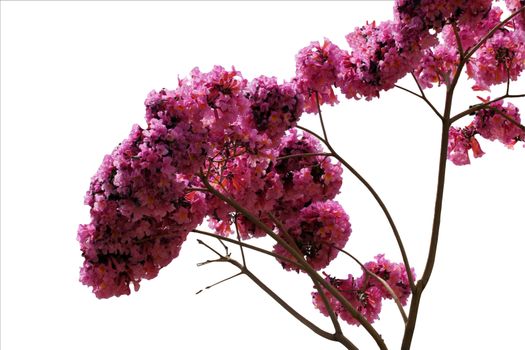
(481, 106)
(304, 265)
(376, 197)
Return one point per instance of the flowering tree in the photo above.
(232, 151)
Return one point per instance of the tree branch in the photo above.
(376, 197)
(305, 266)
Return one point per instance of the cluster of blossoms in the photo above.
(140, 214)
(366, 293)
(422, 36)
(491, 123)
(142, 205)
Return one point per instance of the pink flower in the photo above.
(140, 214)
(248, 179)
(274, 109)
(519, 20)
(394, 274)
(435, 14)
(493, 126)
(501, 58)
(381, 56)
(316, 230)
(305, 179)
(366, 299)
(460, 142)
(317, 67)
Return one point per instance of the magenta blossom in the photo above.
(492, 125)
(366, 299)
(460, 142)
(317, 67)
(318, 230)
(394, 274)
(140, 215)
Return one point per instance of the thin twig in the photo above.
(458, 41)
(320, 115)
(274, 296)
(481, 106)
(378, 200)
(248, 246)
(217, 283)
(239, 240)
(304, 155)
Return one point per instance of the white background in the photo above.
(74, 78)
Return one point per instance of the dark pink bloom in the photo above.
(434, 14)
(366, 299)
(519, 20)
(250, 181)
(380, 56)
(394, 274)
(493, 126)
(501, 58)
(316, 230)
(305, 179)
(274, 108)
(460, 142)
(317, 67)
(140, 215)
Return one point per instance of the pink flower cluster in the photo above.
(381, 55)
(282, 182)
(274, 109)
(366, 293)
(519, 20)
(500, 59)
(140, 216)
(489, 123)
(492, 125)
(142, 207)
(434, 14)
(318, 231)
(422, 36)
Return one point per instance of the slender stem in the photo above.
(284, 304)
(244, 270)
(382, 281)
(217, 283)
(481, 106)
(408, 90)
(305, 266)
(458, 41)
(320, 116)
(329, 308)
(239, 240)
(421, 284)
(338, 332)
(378, 200)
(421, 95)
(246, 245)
(304, 155)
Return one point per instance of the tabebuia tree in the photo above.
(222, 150)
